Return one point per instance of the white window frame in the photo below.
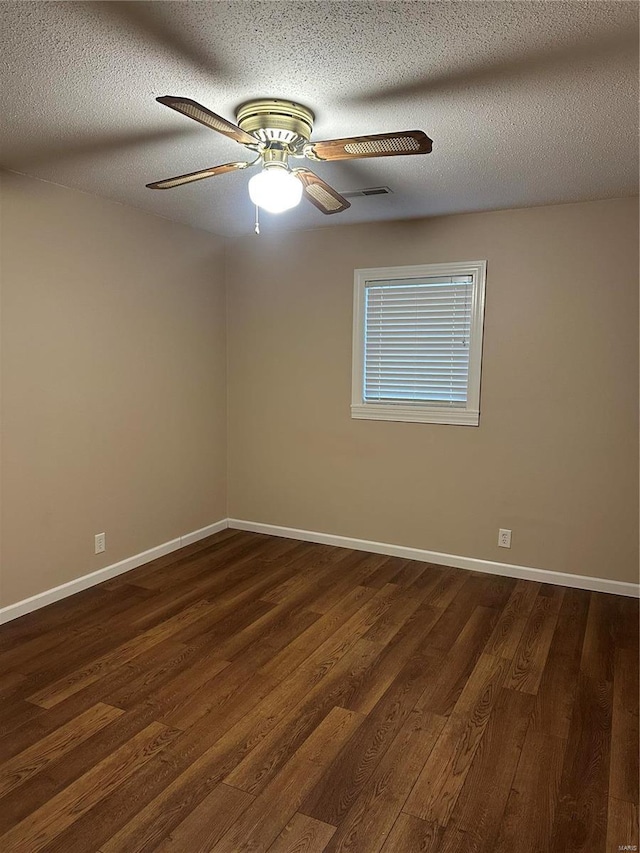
(419, 412)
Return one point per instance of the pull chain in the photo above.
(257, 225)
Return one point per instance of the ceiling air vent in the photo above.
(366, 192)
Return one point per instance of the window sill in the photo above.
(415, 414)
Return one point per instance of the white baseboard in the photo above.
(13, 611)
(471, 563)
(197, 535)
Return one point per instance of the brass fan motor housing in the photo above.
(272, 120)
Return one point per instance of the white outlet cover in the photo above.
(100, 541)
(504, 538)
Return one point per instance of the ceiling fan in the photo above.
(276, 131)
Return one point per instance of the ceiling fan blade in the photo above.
(376, 145)
(196, 111)
(319, 193)
(179, 180)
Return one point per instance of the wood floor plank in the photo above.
(531, 655)
(15, 713)
(199, 766)
(393, 656)
(457, 605)
(598, 651)
(79, 630)
(323, 662)
(151, 667)
(437, 788)
(513, 619)
(229, 602)
(386, 573)
(232, 622)
(553, 709)
(188, 782)
(199, 761)
(303, 835)
(625, 745)
(109, 815)
(128, 684)
(533, 797)
(302, 647)
(343, 638)
(626, 694)
(191, 570)
(266, 817)
(394, 618)
(35, 758)
(298, 585)
(252, 693)
(415, 576)
(496, 591)
(366, 825)
(181, 707)
(264, 762)
(208, 822)
(345, 779)
(237, 550)
(476, 819)
(448, 585)
(10, 682)
(13, 687)
(627, 618)
(622, 826)
(355, 567)
(427, 580)
(24, 638)
(276, 629)
(67, 686)
(158, 567)
(191, 693)
(207, 584)
(581, 817)
(412, 835)
(79, 760)
(42, 826)
(314, 572)
(442, 694)
(74, 651)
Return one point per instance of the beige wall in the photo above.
(556, 455)
(113, 383)
(114, 388)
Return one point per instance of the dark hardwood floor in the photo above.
(251, 693)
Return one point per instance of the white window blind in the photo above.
(417, 343)
(417, 337)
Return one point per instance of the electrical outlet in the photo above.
(504, 538)
(100, 542)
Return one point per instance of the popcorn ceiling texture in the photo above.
(527, 103)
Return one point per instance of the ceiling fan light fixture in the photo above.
(276, 130)
(275, 189)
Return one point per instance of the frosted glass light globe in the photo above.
(275, 189)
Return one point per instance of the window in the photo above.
(417, 343)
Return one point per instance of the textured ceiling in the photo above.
(527, 103)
